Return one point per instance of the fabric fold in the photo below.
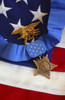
(13, 52)
(56, 22)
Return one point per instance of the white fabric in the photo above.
(62, 42)
(22, 77)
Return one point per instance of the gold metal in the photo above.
(28, 32)
(43, 66)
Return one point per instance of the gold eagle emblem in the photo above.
(27, 32)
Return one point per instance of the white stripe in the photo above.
(22, 77)
(62, 42)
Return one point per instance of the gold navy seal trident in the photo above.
(27, 32)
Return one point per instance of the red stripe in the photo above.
(11, 93)
(58, 58)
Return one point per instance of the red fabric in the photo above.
(58, 58)
(11, 93)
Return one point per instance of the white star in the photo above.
(36, 51)
(35, 54)
(29, 49)
(23, 0)
(6, 39)
(31, 53)
(42, 49)
(16, 26)
(38, 14)
(4, 9)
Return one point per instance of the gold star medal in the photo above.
(43, 66)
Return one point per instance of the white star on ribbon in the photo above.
(16, 26)
(4, 9)
(38, 14)
(23, 0)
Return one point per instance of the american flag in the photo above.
(17, 13)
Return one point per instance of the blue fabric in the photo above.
(15, 50)
(35, 49)
(28, 63)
